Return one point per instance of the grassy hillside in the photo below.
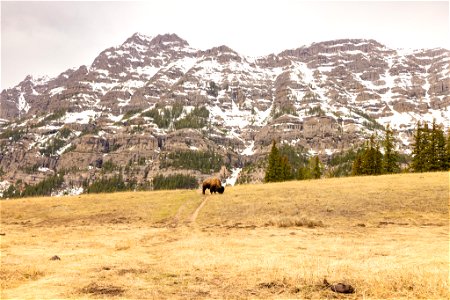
(387, 236)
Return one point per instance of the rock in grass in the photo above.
(55, 257)
(340, 287)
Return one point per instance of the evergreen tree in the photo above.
(279, 166)
(357, 166)
(369, 161)
(303, 173)
(390, 158)
(447, 165)
(438, 162)
(316, 167)
(430, 152)
(273, 170)
(418, 160)
(285, 168)
(426, 149)
(378, 159)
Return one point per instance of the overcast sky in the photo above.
(46, 38)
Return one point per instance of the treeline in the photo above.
(370, 161)
(197, 118)
(110, 185)
(43, 188)
(288, 163)
(431, 150)
(165, 116)
(116, 183)
(172, 182)
(13, 134)
(203, 161)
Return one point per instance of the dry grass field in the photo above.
(387, 236)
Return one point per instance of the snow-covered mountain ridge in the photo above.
(325, 97)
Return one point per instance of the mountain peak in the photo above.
(139, 39)
(168, 39)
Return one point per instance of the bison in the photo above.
(213, 184)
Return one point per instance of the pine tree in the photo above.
(430, 152)
(390, 158)
(316, 168)
(447, 165)
(418, 160)
(433, 164)
(285, 168)
(273, 171)
(426, 148)
(370, 160)
(303, 173)
(356, 167)
(440, 158)
(378, 160)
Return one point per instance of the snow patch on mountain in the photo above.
(83, 117)
(250, 149)
(56, 91)
(234, 175)
(22, 104)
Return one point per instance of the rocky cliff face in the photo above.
(326, 97)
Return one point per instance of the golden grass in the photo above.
(387, 236)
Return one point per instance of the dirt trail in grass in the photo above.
(176, 218)
(196, 212)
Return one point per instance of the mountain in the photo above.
(140, 104)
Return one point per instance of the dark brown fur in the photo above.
(213, 184)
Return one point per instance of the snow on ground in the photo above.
(72, 191)
(115, 118)
(329, 152)
(307, 73)
(234, 174)
(123, 102)
(22, 104)
(43, 169)
(55, 91)
(61, 151)
(250, 149)
(40, 80)
(312, 152)
(147, 71)
(185, 64)
(132, 84)
(398, 120)
(262, 116)
(4, 185)
(79, 117)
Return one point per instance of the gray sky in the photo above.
(46, 38)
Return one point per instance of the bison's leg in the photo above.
(205, 187)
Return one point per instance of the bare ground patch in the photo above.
(97, 289)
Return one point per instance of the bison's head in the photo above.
(221, 190)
